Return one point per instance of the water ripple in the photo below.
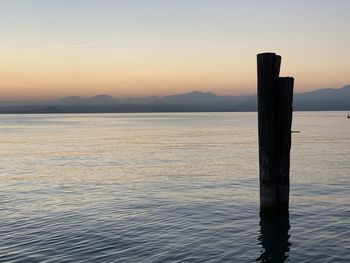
(167, 188)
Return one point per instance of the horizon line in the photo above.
(145, 96)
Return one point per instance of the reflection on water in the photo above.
(179, 187)
(274, 238)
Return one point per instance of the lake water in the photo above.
(179, 187)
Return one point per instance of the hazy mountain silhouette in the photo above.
(96, 100)
(193, 97)
(143, 100)
(322, 99)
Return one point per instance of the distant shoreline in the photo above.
(146, 112)
(195, 101)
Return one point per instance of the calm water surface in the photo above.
(179, 187)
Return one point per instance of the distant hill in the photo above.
(96, 100)
(323, 99)
(318, 100)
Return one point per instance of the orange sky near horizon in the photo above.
(51, 50)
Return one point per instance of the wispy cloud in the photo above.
(76, 46)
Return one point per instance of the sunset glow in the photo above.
(52, 49)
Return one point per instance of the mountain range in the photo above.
(196, 101)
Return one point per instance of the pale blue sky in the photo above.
(53, 48)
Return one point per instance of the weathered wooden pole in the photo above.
(275, 97)
(274, 238)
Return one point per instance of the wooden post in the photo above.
(275, 97)
(274, 238)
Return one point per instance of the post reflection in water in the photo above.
(274, 238)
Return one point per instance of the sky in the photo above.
(56, 48)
